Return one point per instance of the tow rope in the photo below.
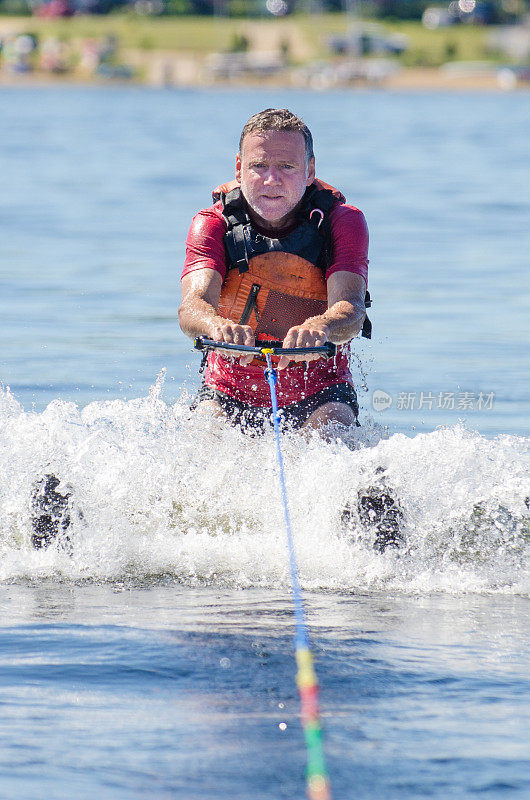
(317, 781)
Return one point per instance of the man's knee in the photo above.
(212, 407)
(328, 413)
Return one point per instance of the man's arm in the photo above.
(201, 291)
(346, 309)
(340, 323)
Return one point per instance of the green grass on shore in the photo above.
(179, 34)
(432, 48)
(202, 35)
(426, 47)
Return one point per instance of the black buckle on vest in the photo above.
(367, 329)
(367, 325)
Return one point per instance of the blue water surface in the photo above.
(99, 188)
(152, 656)
(189, 700)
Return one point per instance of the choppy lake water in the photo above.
(155, 658)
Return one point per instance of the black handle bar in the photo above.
(327, 350)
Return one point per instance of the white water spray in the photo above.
(159, 493)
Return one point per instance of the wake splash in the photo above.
(161, 494)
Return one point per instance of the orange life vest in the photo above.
(272, 284)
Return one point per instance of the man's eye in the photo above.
(286, 166)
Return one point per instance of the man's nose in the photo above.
(272, 176)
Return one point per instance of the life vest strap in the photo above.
(251, 305)
(236, 218)
(240, 248)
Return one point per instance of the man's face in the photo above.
(273, 175)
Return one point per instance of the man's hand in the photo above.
(312, 333)
(224, 330)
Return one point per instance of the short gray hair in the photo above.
(278, 119)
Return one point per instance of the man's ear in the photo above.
(310, 172)
(238, 168)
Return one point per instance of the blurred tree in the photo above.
(238, 44)
(451, 50)
(175, 7)
(402, 9)
(487, 11)
(242, 8)
(19, 8)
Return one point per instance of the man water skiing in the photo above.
(281, 256)
(278, 256)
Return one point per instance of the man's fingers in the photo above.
(232, 333)
(242, 334)
(301, 336)
(245, 337)
(297, 337)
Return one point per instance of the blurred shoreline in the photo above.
(408, 79)
(290, 53)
